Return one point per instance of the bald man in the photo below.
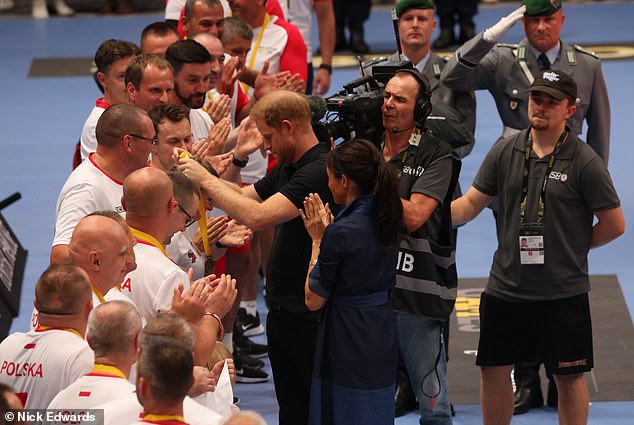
(154, 215)
(40, 363)
(102, 247)
(125, 137)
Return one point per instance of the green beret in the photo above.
(541, 7)
(403, 5)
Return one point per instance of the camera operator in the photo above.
(426, 280)
(415, 24)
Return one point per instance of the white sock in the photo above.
(249, 306)
(227, 340)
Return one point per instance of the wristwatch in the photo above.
(240, 163)
(326, 67)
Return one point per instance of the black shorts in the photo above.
(513, 332)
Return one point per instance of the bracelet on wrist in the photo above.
(221, 328)
(220, 246)
(312, 262)
(326, 67)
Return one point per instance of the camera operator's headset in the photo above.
(422, 108)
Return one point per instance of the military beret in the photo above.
(555, 83)
(541, 7)
(403, 5)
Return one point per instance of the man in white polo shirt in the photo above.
(125, 136)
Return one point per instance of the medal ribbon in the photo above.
(267, 19)
(147, 239)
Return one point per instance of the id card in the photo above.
(531, 245)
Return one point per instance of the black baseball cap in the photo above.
(555, 83)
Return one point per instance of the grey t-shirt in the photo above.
(578, 186)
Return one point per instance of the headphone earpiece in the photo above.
(422, 108)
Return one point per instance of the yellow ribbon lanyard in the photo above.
(267, 19)
(148, 239)
(98, 294)
(163, 418)
(202, 221)
(42, 328)
(108, 370)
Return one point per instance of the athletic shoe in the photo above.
(247, 360)
(248, 375)
(245, 345)
(247, 324)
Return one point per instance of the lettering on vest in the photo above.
(16, 369)
(405, 262)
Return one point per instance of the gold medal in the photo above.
(210, 265)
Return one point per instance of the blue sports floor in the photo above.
(41, 120)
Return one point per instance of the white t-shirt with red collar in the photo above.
(40, 363)
(88, 189)
(88, 138)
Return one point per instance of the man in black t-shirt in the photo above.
(283, 118)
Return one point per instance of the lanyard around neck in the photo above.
(256, 46)
(527, 163)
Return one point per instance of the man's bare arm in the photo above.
(610, 225)
(468, 206)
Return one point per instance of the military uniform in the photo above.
(502, 69)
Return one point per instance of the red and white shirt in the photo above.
(127, 410)
(101, 385)
(151, 286)
(88, 189)
(88, 138)
(40, 363)
(281, 44)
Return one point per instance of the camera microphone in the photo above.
(318, 107)
(400, 130)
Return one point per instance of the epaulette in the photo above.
(587, 52)
(508, 46)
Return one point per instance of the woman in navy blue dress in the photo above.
(352, 268)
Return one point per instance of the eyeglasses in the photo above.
(190, 220)
(154, 141)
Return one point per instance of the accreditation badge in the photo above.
(531, 244)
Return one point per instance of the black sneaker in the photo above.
(248, 375)
(247, 324)
(247, 360)
(245, 345)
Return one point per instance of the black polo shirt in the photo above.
(290, 253)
